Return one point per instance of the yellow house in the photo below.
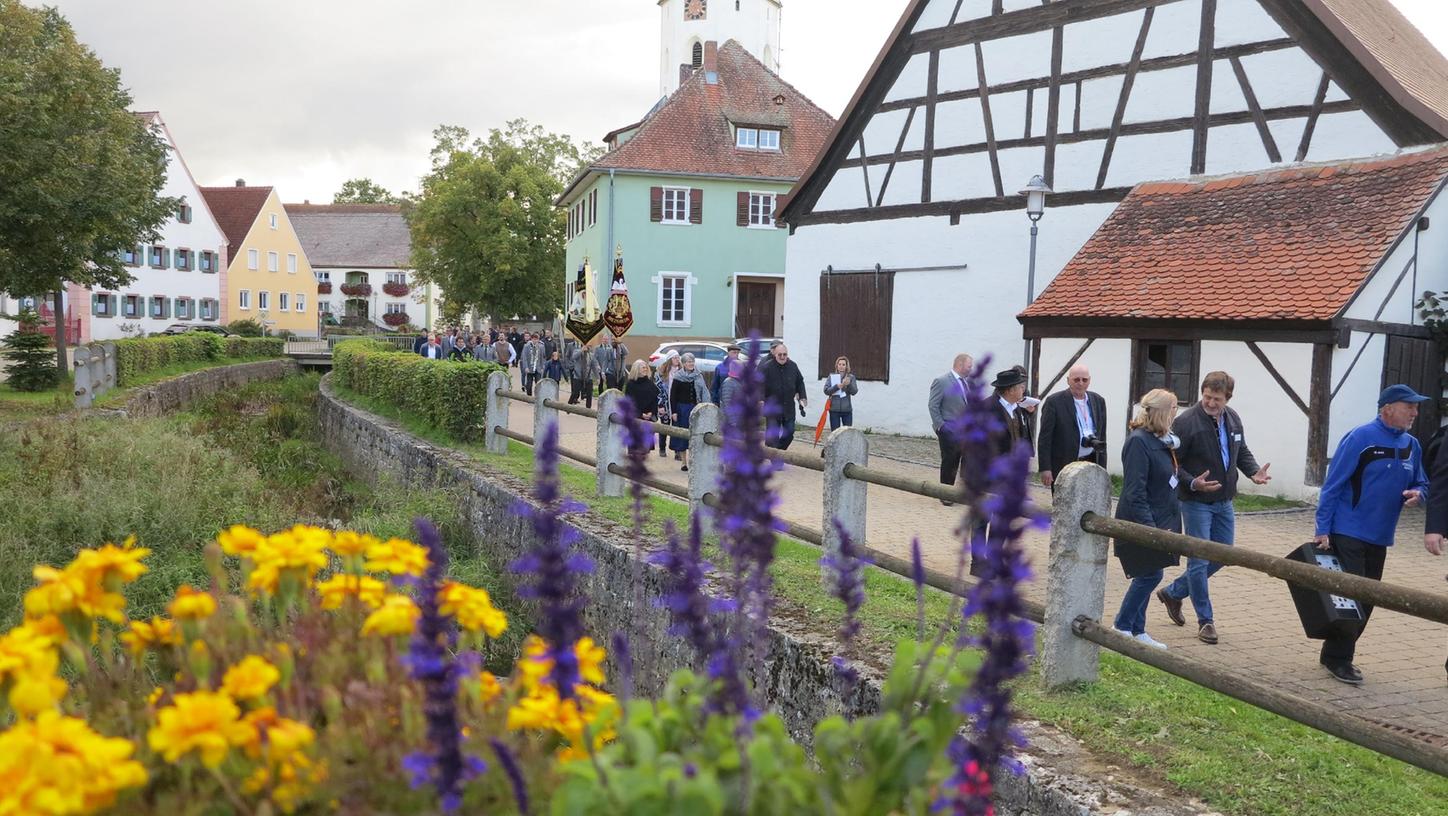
(268, 276)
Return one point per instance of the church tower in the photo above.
(687, 24)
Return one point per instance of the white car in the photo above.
(707, 354)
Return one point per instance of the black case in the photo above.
(1323, 614)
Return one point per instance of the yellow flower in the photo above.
(472, 607)
(110, 565)
(338, 588)
(240, 540)
(397, 616)
(397, 556)
(489, 689)
(57, 592)
(535, 665)
(286, 769)
(203, 721)
(347, 543)
(543, 710)
(191, 604)
(55, 764)
(28, 665)
(155, 695)
(79, 590)
(299, 553)
(251, 678)
(159, 632)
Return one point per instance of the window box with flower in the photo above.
(395, 289)
(324, 287)
(357, 289)
(395, 318)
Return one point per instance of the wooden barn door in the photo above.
(1416, 363)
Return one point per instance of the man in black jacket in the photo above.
(783, 386)
(1212, 452)
(1437, 524)
(1073, 427)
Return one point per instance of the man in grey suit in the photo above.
(947, 402)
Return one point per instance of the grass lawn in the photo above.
(16, 405)
(1238, 759)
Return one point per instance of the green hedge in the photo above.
(140, 355)
(449, 395)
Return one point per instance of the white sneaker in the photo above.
(1122, 632)
(1150, 641)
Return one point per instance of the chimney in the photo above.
(711, 63)
(241, 182)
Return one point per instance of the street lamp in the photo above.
(1035, 193)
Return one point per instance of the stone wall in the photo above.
(172, 395)
(795, 675)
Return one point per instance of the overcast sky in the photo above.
(304, 94)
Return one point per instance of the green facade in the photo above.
(712, 252)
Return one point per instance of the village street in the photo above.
(1400, 656)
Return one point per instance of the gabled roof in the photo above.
(690, 133)
(354, 235)
(236, 209)
(1378, 56)
(1281, 245)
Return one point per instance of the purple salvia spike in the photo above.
(917, 575)
(515, 773)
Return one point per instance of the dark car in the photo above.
(182, 328)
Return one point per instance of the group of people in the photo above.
(537, 355)
(1180, 472)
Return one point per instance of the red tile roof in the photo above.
(235, 209)
(690, 133)
(1290, 244)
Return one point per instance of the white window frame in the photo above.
(323, 277)
(156, 256)
(396, 308)
(253, 259)
(678, 193)
(397, 277)
(292, 263)
(761, 204)
(273, 262)
(273, 220)
(299, 303)
(325, 306)
(774, 137)
(204, 310)
(103, 305)
(136, 300)
(151, 308)
(243, 300)
(746, 138)
(284, 301)
(263, 300)
(687, 281)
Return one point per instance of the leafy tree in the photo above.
(32, 367)
(364, 191)
(484, 228)
(80, 176)
(249, 327)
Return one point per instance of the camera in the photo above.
(1093, 442)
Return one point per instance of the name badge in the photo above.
(1237, 437)
(1172, 481)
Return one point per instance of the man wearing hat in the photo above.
(1376, 472)
(1010, 389)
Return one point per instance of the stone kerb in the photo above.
(172, 395)
(610, 448)
(543, 416)
(704, 461)
(1075, 575)
(844, 497)
(496, 413)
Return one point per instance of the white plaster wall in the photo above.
(1372, 302)
(1109, 360)
(1274, 427)
(756, 26)
(1356, 401)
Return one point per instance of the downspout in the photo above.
(607, 261)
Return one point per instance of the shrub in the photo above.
(140, 355)
(32, 358)
(450, 395)
(249, 327)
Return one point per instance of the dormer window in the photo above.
(747, 138)
(768, 139)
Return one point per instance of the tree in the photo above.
(364, 191)
(80, 176)
(484, 227)
(31, 368)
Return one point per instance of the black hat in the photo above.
(1008, 378)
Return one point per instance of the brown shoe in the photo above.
(1207, 634)
(1173, 607)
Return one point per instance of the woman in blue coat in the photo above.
(1149, 497)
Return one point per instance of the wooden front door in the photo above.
(756, 309)
(1416, 363)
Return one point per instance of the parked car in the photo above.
(707, 354)
(182, 328)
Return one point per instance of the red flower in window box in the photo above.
(357, 289)
(324, 287)
(395, 318)
(395, 289)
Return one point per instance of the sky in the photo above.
(305, 94)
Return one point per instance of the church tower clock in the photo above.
(686, 25)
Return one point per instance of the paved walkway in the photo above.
(1400, 656)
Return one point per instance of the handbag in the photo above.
(1324, 614)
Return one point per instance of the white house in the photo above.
(687, 25)
(910, 242)
(361, 257)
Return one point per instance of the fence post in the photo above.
(99, 362)
(703, 461)
(844, 497)
(1075, 576)
(611, 449)
(496, 413)
(110, 363)
(543, 416)
(84, 391)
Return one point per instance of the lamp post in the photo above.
(1035, 193)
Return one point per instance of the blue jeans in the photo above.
(779, 431)
(838, 418)
(1132, 615)
(1213, 521)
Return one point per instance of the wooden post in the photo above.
(1319, 412)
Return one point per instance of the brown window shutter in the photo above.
(656, 204)
(696, 206)
(856, 311)
(741, 216)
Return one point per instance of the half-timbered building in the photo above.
(910, 241)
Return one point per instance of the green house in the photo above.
(689, 194)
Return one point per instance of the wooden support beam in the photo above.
(1076, 119)
(1030, 110)
(1024, 21)
(1268, 143)
(1125, 96)
(899, 145)
(990, 139)
(932, 87)
(1053, 105)
(1318, 104)
(1319, 414)
(1065, 368)
(1206, 36)
(864, 168)
(1281, 381)
(956, 13)
(967, 206)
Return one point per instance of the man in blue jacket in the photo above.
(1376, 472)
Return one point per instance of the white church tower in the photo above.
(688, 24)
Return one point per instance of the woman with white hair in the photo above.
(1148, 496)
(663, 379)
(686, 390)
(641, 390)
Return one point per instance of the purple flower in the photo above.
(639, 439)
(624, 658)
(847, 585)
(917, 575)
(515, 774)
(555, 567)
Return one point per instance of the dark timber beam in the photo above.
(1281, 381)
(1053, 106)
(1268, 143)
(1318, 103)
(1207, 35)
(967, 206)
(1025, 21)
(864, 168)
(990, 139)
(1065, 368)
(1319, 413)
(899, 145)
(1123, 98)
(932, 86)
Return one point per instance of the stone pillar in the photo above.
(496, 413)
(611, 449)
(1075, 576)
(543, 416)
(703, 461)
(110, 364)
(84, 391)
(844, 497)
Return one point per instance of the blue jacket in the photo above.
(1363, 494)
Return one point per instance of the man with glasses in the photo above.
(1073, 427)
(783, 387)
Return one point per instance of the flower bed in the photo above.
(357, 289)
(136, 356)
(395, 289)
(324, 287)
(395, 318)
